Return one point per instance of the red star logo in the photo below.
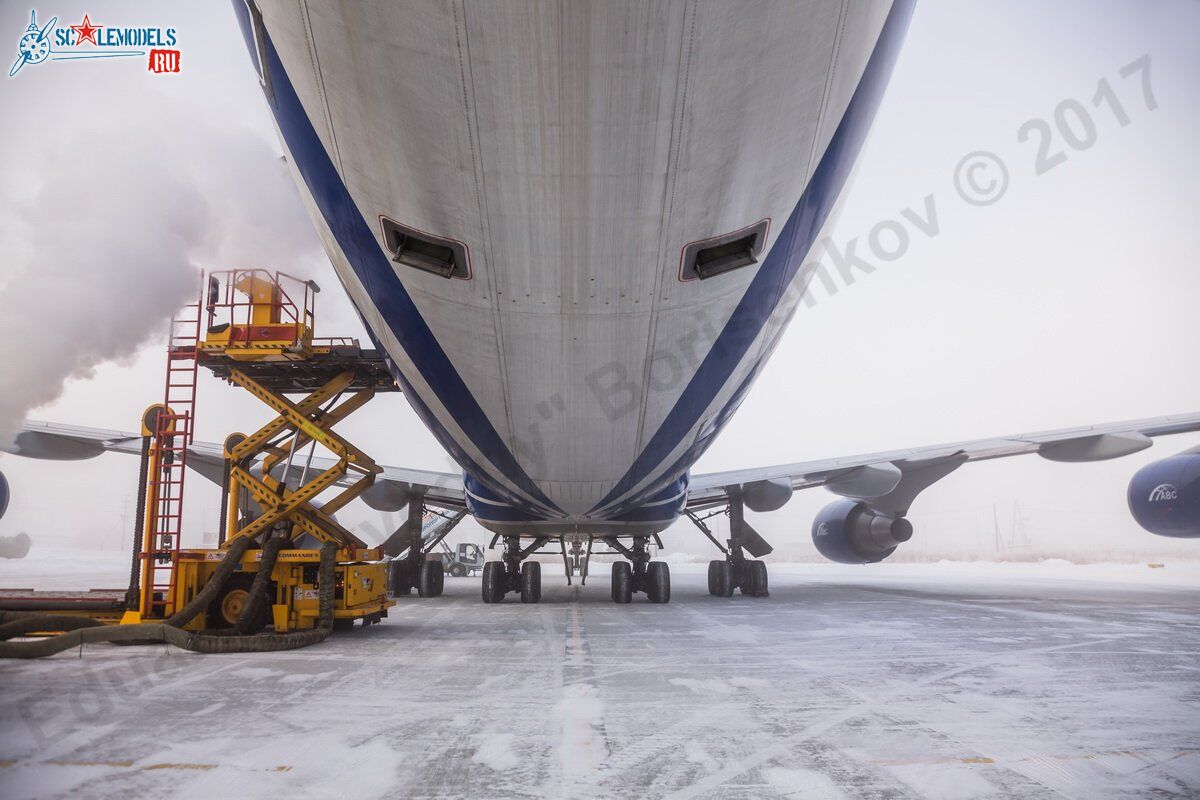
(85, 32)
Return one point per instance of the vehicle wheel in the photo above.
(457, 571)
(531, 582)
(658, 579)
(430, 579)
(224, 611)
(720, 578)
(756, 571)
(622, 582)
(493, 581)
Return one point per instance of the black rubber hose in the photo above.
(135, 567)
(34, 622)
(261, 588)
(226, 476)
(196, 642)
(215, 584)
(14, 625)
(265, 643)
(28, 623)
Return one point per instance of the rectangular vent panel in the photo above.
(708, 258)
(414, 248)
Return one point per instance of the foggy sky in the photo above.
(1070, 300)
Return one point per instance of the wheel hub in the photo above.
(232, 605)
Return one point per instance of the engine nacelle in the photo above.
(849, 532)
(1164, 497)
(11, 546)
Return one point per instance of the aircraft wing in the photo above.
(56, 442)
(889, 481)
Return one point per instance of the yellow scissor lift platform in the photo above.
(254, 329)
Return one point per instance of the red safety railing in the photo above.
(173, 432)
(290, 300)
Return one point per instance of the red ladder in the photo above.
(172, 435)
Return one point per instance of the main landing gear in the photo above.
(639, 574)
(511, 575)
(427, 577)
(413, 570)
(735, 571)
(745, 574)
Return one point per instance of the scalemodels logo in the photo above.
(86, 40)
(1163, 493)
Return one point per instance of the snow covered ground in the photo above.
(940, 681)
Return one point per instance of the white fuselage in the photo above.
(574, 149)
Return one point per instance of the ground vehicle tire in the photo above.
(227, 606)
(457, 570)
(531, 582)
(430, 579)
(493, 581)
(622, 582)
(720, 578)
(658, 582)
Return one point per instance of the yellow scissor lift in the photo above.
(255, 329)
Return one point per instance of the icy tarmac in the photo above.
(897, 681)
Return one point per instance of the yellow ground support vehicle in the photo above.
(282, 559)
(255, 330)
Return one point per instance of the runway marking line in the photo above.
(905, 762)
(126, 764)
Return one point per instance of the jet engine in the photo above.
(11, 546)
(849, 532)
(1164, 497)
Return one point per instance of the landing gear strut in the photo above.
(414, 570)
(511, 575)
(639, 574)
(736, 571)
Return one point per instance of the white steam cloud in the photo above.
(111, 241)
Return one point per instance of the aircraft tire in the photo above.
(658, 578)
(531, 582)
(756, 572)
(430, 579)
(622, 582)
(720, 578)
(493, 581)
(749, 579)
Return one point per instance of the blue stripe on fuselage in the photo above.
(374, 271)
(661, 510)
(769, 284)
